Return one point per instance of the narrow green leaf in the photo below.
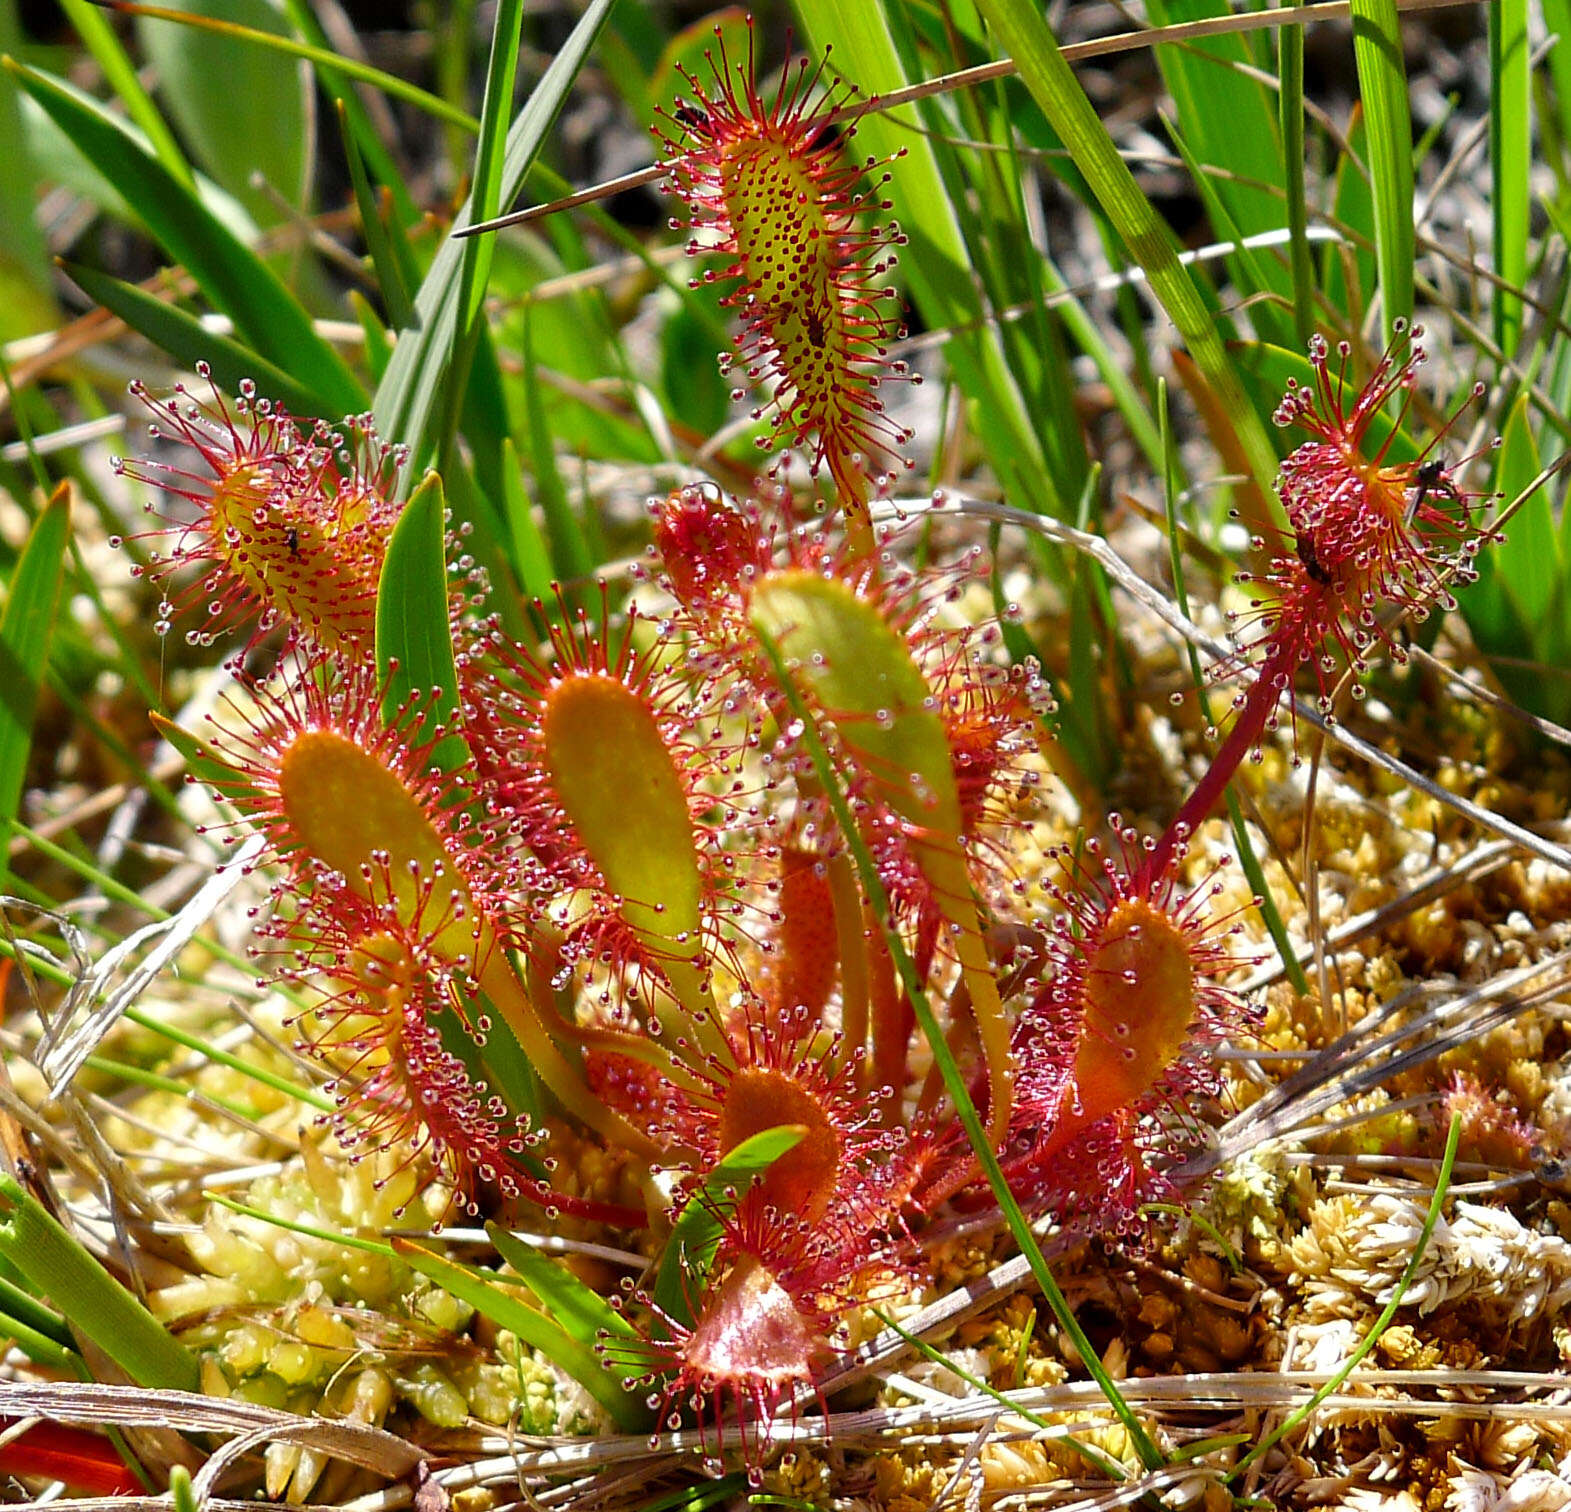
(417, 375)
(483, 1292)
(1227, 119)
(530, 556)
(685, 1261)
(1557, 20)
(188, 341)
(485, 197)
(1021, 28)
(1382, 86)
(1383, 1322)
(92, 26)
(232, 276)
(389, 268)
(414, 640)
(1290, 106)
(580, 1309)
(31, 603)
(1510, 162)
(56, 1265)
(335, 81)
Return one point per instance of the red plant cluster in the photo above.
(698, 870)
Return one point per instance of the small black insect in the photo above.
(1312, 563)
(691, 117)
(1430, 478)
(292, 540)
(815, 327)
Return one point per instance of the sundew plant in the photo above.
(872, 817)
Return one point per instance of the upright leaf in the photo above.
(1382, 86)
(25, 630)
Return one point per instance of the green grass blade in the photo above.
(188, 341)
(1510, 162)
(414, 641)
(1409, 1274)
(1290, 105)
(1382, 86)
(378, 240)
(485, 197)
(1020, 27)
(228, 272)
(93, 27)
(474, 265)
(31, 602)
(335, 82)
(484, 1293)
(99, 1308)
(684, 1263)
(529, 554)
(1557, 19)
(580, 1309)
(415, 378)
(1227, 119)
(321, 57)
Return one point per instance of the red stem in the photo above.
(1259, 704)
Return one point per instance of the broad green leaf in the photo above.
(31, 603)
(1382, 86)
(414, 641)
(188, 341)
(246, 112)
(228, 272)
(684, 1263)
(488, 1296)
(60, 162)
(407, 396)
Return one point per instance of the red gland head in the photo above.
(711, 547)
